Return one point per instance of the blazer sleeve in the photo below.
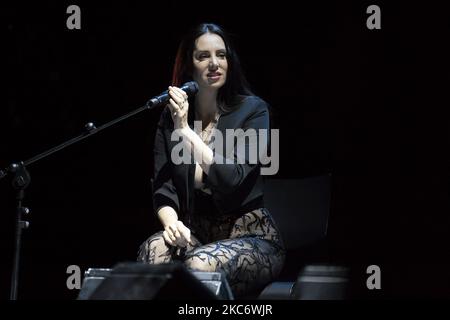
(229, 177)
(164, 191)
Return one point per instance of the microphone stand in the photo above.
(21, 180)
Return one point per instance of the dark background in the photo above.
(368, 106)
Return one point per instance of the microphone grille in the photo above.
(190, 87)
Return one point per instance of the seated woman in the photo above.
(212, 208)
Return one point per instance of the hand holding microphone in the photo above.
(190, 88)
(179, 106)
(177, 100)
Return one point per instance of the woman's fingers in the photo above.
(176, 111)
(175, 231)
(177, 94)
(179, 106)
(167, 238)
(170, 234)
(175, 106)
(185, 232)
(175, 237)
(182, 93)
(172, 109)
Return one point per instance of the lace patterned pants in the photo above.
(248, 250)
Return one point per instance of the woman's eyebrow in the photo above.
(207, 51)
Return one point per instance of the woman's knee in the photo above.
(152, 247)
(201, 262)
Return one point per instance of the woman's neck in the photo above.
(206, 106)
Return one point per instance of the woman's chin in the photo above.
(205, 84)
(215, 84)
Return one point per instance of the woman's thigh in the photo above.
(248, 262)
(156, 250)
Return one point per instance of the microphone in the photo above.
(190, 88)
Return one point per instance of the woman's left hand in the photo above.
(179, 107)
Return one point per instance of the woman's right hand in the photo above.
(177, 234)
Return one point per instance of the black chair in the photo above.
(301, 209)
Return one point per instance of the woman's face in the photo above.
(210, 61)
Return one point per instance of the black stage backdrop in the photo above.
(368, 106)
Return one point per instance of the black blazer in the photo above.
(236, 188)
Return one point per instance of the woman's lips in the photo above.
(214, 76)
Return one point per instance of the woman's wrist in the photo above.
(167, 215)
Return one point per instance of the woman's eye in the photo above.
(221, 55)
(203, 56)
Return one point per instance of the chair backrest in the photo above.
(300, 208)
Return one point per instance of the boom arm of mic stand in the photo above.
(90, 129)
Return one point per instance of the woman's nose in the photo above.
(214, 63)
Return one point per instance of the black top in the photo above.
(236, 187)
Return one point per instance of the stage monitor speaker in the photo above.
(321, 282)
(138, 281)
(217, 283)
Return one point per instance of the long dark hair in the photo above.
(235, 87)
